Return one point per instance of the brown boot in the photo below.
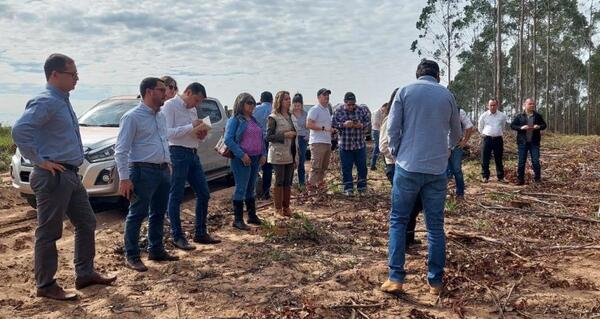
(54, 291)
(278, 199)
(287, 193)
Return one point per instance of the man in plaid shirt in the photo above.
(351, 120)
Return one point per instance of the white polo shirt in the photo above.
(322, 118)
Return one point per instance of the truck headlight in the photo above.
(101, 155)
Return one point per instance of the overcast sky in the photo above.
(229, 46)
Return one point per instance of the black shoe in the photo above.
(238, 212)
(136, 264)
(183, 244)
(206, 239)
(520, 182)
(374, 168)
(500, 180)
(537, 180)
(162, 256)
(251, 208)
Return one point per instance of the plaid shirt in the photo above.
(351, 138)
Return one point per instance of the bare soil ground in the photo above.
(513, 252)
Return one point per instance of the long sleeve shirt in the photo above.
(351, 138)
(49, 130)
(261, 113)
(179, 119)
(142, 138)
(492, 124)
(422, 115)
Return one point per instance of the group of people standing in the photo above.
(420, 132)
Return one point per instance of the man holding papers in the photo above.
(185, 131)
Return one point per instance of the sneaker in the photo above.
(182, 244)
(349, 193)
(136, 264)
(485, 180)
(501, 180)
(362, 192)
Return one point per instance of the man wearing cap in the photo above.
(318, 121)
(261, 114)
(48, 135)
(423, 125)
(351, 121)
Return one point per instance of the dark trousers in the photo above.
(57, 195)
(151, 195)
(534, 152)
(418, 206)
(187, 167)
(284, 174)
(267, 176)
(489, 145)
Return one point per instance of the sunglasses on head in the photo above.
(172, 87)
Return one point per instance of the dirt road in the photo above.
(513, 252)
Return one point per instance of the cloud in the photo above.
(230, 45)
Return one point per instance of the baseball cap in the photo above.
(323, 91)
(349, 96)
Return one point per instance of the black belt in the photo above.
(183, 148)
(492, 136)
(70, 167)
(150, 165)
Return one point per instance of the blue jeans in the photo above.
(151, 191)
(302, 145)
(534, 151)
(245, 177)
(349, 159)
(187, 167)
(407, 186)
(455, 168)
(375, 154)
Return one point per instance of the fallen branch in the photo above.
(355, 306)
(510, 292)
(556, 195)
(539, 213)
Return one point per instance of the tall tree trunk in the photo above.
(449, 44)
(519, 90)
(590, 103)
(499, 52)
(547, 94)
(534, 50)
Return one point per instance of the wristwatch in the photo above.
(322, 128)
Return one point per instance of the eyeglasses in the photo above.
(172, 87)
(72, 74)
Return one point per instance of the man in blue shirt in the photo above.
(48, 135)
(423, 125)
(261, 114)
(143, 162)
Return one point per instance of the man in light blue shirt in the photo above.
(143, 162)
(261, 114)
(423, 125)
(48, 135)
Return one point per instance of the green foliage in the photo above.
(7, 148)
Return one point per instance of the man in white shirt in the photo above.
(455, 160)
(184, 132)
(318, 121)
(491, 126)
